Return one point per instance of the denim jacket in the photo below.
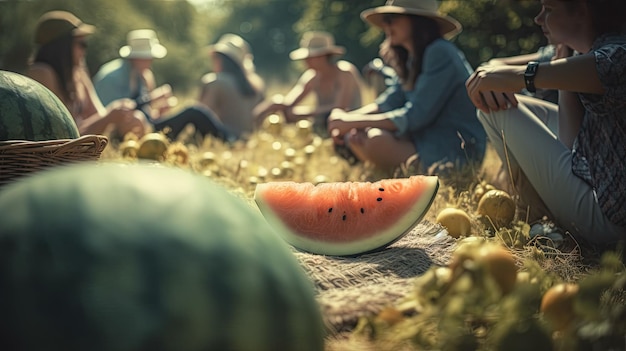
(437, 114)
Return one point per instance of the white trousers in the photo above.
(541, 169)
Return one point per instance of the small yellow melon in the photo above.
(557, 305)
(456, 221)
(153, 146)
(129, 148)
(498, 206)
(480, 189)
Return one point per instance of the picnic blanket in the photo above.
(351, 287)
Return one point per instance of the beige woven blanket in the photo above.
(351, 287)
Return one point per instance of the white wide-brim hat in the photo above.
(316, 43)
(143, 44)
(236, 48)
(449, 27)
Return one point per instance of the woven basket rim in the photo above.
(21, 157)
(53, 142)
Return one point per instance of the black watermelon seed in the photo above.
(344, 217)
(330, 210)
(362, 210)
(379, 199)
(381, 189)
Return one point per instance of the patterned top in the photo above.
(599, 153)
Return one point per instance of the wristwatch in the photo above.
(529, 76)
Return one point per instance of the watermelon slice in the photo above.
(346, 218)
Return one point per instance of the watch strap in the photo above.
(529, 76)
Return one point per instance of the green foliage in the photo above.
(492, 28)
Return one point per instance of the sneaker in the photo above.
(547, 234)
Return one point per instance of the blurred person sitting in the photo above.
(59, 64)
(575, 175)
(425, 120)
(130, 76)
(233, 89)
(334, 83)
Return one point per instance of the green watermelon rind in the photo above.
(126, 264)
(30, 111)
(373, 243)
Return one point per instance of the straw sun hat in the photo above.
(142, 44)
(428, 8)
(316, 43)
(54, 24)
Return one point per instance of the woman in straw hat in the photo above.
(575, 175)
(426, 118)
(334, 84)
(58, 64)
(131, 76)
(233, 89)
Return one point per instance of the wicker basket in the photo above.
(20, 157)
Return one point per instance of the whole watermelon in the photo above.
(118, 257)
(30, 111)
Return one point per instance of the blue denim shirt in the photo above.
(437, 114)
(112, 82)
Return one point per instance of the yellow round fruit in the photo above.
(480, 189)
(153, 146)
(129, 148)
(501, 265)
(557, 305)
(456, 221)
(498, 206)
(495, 259)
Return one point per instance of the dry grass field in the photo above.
(293, 152)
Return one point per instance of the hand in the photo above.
(122, 104)
(122, 114)
(492, 88)
(338, 125)
(562, 51)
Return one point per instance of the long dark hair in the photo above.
(608, 16)
(425, 30)
(241, 79)
(58, 54)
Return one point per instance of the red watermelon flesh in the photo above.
(346, 218)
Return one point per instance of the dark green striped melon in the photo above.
(30, 111)
(105, 257)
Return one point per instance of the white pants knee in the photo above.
(525, 137)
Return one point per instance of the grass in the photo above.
(282, 151)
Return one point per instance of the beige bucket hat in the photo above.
(316, 43)
(428, 8)
(143, 44)
(236, 48)
(55, 24)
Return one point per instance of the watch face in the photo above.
(531, 69)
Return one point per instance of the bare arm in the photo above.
(301, 89)
(514, 60)
(341, 122)
(119, 114)
(571, 112)
(576, 74)
(46, 76)
(348, 86)
(491, 87)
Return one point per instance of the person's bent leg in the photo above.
(523, 139)
(203, 120)
(381, 148)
